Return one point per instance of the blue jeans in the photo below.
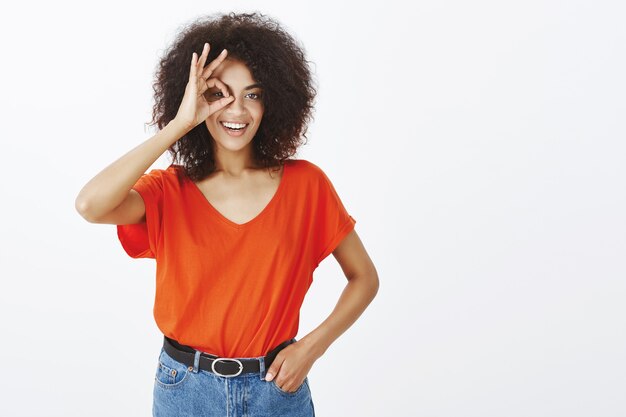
(183, 391)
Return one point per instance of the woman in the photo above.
(236, 226)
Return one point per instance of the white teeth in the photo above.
(234, 125)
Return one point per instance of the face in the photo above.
(246, 108)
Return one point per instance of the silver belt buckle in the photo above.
(226, 359)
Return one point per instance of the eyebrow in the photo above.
(250, 87)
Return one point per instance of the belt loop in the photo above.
(196, 361)
(262, 367)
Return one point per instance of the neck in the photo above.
(234, 163)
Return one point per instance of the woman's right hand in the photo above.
(194, 108)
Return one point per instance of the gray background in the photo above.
(479, 145)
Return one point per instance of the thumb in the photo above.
(273, 370)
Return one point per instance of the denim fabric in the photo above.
(184, 391)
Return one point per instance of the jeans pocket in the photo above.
(287, 393)
(170, 373)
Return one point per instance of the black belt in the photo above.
(220, 366)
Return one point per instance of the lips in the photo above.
(231, 122)
(234, 132)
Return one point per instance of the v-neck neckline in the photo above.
(226, 220)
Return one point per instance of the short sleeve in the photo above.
(333, 222)
(140, 240)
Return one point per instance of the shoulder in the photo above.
(162, 172)
(160, 177)
(174, 169)
(311, 180)
(306, 169)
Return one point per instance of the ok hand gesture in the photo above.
(194, 109)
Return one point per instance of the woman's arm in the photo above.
(359, 292)
(111, 186)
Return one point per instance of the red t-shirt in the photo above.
(234, 290)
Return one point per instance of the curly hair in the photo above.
(275, 60)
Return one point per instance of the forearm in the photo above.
(356, 296)
(109, 187)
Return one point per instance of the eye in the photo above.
(213, 95)
(255, 96)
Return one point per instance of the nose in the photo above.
(235, 106)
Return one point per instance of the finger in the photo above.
(285, 385)
(291, 386)
(206, 73)
(272, 371)
(192, 69)
(205, 54)
(215, 106)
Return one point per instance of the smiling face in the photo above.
(246, 108)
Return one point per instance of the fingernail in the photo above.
(269, 377)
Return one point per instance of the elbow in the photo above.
(375, 284)
(82, 207)
(372, 280)
(368, 279)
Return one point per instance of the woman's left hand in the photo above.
(291, 366)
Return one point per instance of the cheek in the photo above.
(258, 110)
(212, 124)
